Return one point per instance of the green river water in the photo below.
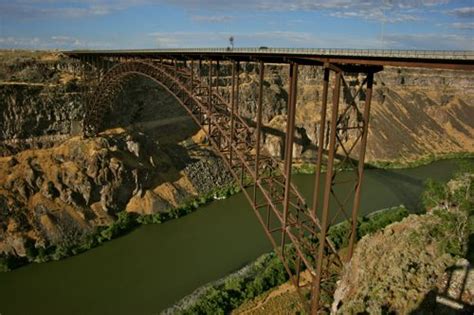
(154, 266)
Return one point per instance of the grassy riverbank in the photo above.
(310, 168)
(124, 223)
(268, 272)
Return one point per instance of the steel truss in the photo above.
(298, 231)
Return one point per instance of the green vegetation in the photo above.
(268, 271)
(427, 159)
(434, 194)
(310, 168)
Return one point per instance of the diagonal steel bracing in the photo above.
(297, 231)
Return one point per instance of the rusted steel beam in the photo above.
(321, 138)
(192, 76)
(237, 93)
(259, 127)
(281, 57)
(327, 194)
(416, 63)
(362, 150)
(232, 113)
(290, 131)
(209, 104)
(217, 76)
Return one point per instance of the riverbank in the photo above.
(310, 168)
(125, 223)
(267, 271)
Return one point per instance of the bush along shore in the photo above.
(310, 168)
(267, 271)
(124, 223)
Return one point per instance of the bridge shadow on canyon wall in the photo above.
(146, 107)
(408, 188)
(453, 296)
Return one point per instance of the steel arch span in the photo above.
(296, 229)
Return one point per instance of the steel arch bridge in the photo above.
(193, 78)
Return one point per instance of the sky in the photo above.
(147, 24)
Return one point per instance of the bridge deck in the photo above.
(460, 60)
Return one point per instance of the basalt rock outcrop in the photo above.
(57, 196)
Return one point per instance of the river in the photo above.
(154, 266)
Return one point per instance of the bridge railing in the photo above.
(391, 53)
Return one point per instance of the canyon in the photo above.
(57, 187)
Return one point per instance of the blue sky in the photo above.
(133, 24)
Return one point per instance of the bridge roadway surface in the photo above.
(441, 59)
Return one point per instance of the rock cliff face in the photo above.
(59, 195)
(415, 112)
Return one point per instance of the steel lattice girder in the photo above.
(239, 144)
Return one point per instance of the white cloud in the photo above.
(465, 12)
(256, 39)
(395, 10)
(52, 42)
(212, 18)
(463, 26)
(430, 41)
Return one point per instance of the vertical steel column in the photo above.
(217, 76)
(98, 67)
(175, 67)
(232, 111)
(200, 68)
(322, 129)
(237, 89)
(290, 135)
(192, 76)
(209, 108)
(363, 146)
(259, 127)
(327, 195)
(237, 94)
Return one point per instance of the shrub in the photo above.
(434, 194)
(380, 219)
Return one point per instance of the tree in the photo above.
(231, 41)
